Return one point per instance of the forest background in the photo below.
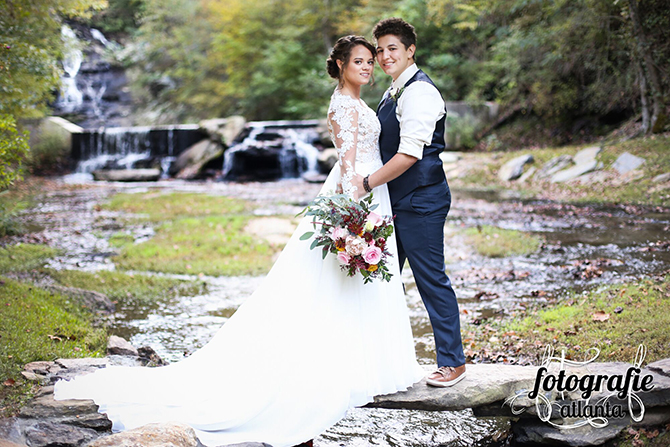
(569, 70)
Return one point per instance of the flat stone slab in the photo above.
(627, 162)
(484, 384)
(574, 172)
(586, 155)
(488, 384)
(127, 175)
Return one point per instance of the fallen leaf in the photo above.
(9, 382)
(599, 315)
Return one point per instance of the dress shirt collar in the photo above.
(404, 77)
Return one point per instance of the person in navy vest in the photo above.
(412, 116)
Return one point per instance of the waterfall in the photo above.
(273, 149)
(70, 96)
(132, 147)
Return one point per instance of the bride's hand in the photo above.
(359, 189)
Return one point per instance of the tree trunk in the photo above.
(649, 72)
(643, 97)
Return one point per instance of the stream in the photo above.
(584, 247)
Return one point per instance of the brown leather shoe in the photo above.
(446, 376)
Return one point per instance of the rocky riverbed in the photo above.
(583, 248)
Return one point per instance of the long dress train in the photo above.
(306, 346)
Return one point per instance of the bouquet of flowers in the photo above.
(352, 232)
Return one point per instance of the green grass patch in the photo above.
(119, 240)
(196, 233)
(211, 245)
(654, 149)
(497, 242)
(160, 206)
(24, 257)
(126, 288)
(37, 325)
(616, 319)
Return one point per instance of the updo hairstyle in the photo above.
(342, 52)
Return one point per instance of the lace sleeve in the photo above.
(343, 122)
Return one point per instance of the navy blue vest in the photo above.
(424, 172)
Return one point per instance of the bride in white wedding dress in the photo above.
(307, 345)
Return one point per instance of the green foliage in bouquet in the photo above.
(353, 232)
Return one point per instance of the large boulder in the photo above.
(119, 346)
(190, 162)
(127, 175)
(172, 434)
(327, 159)
(513, 169)
(224, 130)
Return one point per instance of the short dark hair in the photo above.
(342, 52)
(397, 27)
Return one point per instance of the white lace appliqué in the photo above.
(354, 128)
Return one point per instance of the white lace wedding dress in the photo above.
(306, 346)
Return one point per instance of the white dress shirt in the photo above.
(419, 108)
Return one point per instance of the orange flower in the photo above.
(372, 267)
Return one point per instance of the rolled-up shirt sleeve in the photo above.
(420, 106)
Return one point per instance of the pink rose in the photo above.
(372, 255)
(343, 257)
(355, 245)
(338, 233)
(375, 219)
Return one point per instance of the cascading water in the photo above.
(70, 96)
(131, 147)
(272, 150)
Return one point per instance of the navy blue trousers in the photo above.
(419, 226)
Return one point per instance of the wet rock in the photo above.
(327, 159)
(224, 130)
(586, 155)
(89, 299)
(627, 162)
(554, 165)
(127, 175)
(149, 357)
(151, 435)
(574, 172)
(514, 168)
(539, 433)
(52, 434)
(190, 162)
(119, 346)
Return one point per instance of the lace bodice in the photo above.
(355, 129)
